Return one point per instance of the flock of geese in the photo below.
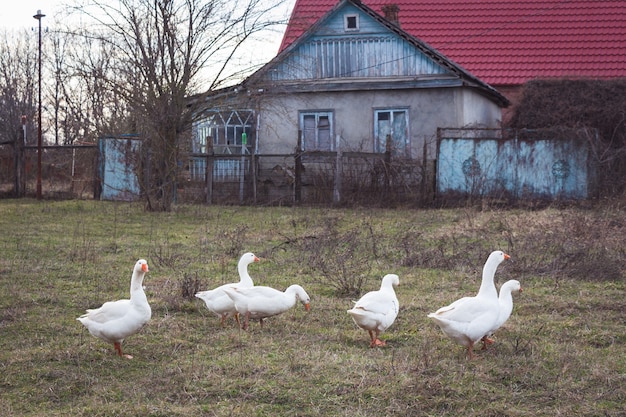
(465, 321)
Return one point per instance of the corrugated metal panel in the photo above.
(119, 160)
(521, 168)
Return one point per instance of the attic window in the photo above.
(351, 22)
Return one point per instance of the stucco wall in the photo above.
(476, 111)
(353, 113)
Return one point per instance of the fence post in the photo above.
(242, 171)
(98, 167)
(253, 174)
(18, 148)
(208, 176)
(388, 149)
(338, 172)
(297, 185)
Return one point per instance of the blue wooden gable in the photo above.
(352, 47)
(350, 43)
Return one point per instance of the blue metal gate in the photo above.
(521, 168)
(119, 160)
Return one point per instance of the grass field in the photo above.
(562, 353)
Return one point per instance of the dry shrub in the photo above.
(582, 246)
(587, 104)
(190, 285)
(381, 182)
(369, 180)
(340, 259)
(231, 242)
(449, 251)
(578, 245)
(468, 241)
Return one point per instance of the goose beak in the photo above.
(256, 259)
(144, 267)
(307, 306)
(506, 256)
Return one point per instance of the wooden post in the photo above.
(338, 172)
(388, 149)
(428, 176)
(20, 175)
(98, 166)
(297, 185)
(208, 177)
(242, 172)
(253, 174)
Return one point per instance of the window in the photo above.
(317, 131)
(391, 130)
(351, 22)
(224, 131)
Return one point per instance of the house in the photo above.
(504, 43)
(352, 81)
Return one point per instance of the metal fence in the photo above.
(469, 163)
(315, 178)
(67, 172)
(318, 178)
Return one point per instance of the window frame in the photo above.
(402, 137)
(225, 128)
(346, 22)
(318, 114)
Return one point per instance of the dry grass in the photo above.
(563, 352)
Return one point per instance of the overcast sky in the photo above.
(19, 14)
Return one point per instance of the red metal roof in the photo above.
(506, 42)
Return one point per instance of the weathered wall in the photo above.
(353, 113)
(514, 167)
(119, 159)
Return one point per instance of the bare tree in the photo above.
(82, 104)
(17, 103)
(17, 85)
(160, 52)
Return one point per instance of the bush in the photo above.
(580, 104)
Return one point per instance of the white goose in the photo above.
(261, 302)
(216, 299)
(468, 319)
(377, 310)
(505, 300)
(116, 320)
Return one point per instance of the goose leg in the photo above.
(246, 321)
(470, 350)
(375, 340)
(118, 349)
(486, 342)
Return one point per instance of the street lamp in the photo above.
(39, 16)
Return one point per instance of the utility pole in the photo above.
(39, 16)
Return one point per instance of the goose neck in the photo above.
(487, 285)
(244, 277)
(136, 283)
